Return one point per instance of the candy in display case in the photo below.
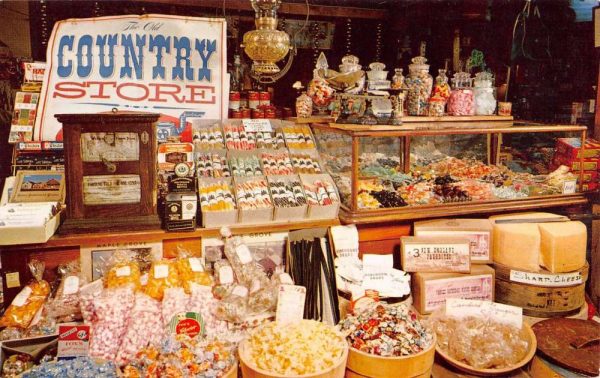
(407, 172)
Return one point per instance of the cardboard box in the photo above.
(571, 147)
(288, 213)
(435, 254)
(217, 218)
(590, 187)
(322, 211)
(430, 290)
(29, 234)
(478, 231)
(589, 164)
(32, 345)
(255, 216)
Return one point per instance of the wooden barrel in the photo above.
(249, 370)
(361, 364)
(542, 294)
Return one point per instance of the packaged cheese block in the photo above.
(478, 231)
(563, 246)
(435, 254)
(517, 243)
(430, 290)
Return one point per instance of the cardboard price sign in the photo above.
(73, 341)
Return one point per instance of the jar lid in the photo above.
(377, 66)
(419, 63)
(349, 60)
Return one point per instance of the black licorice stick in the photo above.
(318, 256)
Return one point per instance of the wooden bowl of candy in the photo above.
(269, 350)
(415, 365)
(461, 365)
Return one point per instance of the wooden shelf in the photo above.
(75, 240)
(444, 128)
(456, 209)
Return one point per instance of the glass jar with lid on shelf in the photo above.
(419, 84)
(485, 101)
(461, 101)
(440, 94)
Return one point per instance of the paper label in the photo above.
(225, 275)
(421, 256)
(120, 146)
(499, 313)
(255, 286)
(161, 271)
(257, 125)
(243, 253)
(188, 323)
(195, 264)
(71, 285)
(569, 186)
(547, 280)
(73, 341)
(22, 297)
(473, 287)
(123, 271)
(286, 279)
(480, 241)
(240, 291)
(144, 279)
(111, 189)
(290, 303)
(12, 280)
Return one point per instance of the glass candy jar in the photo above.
(398, 79)
(304, 106)
(461, 101)
(321, 94)
(439, 95)
(485, 101)
(419, 83)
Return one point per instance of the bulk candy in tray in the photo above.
(387, 330)
(82, 367)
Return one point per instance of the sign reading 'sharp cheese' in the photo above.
(156, 63)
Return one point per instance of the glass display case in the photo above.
(430, 169)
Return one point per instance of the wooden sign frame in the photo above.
(123, 210)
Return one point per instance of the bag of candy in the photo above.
(163, 274)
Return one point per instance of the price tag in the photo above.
(290, 303)
(12, 280)
(240, 291)
(195, 264)
(257, 125)
(569, 186)
(22, 297)
(123, 271)
(243, 253)
(73, 341)
(71, 285)
(500, 313)
(161, 271)
(225, 275)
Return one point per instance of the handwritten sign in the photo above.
(73, 341)
(154, 63)
(569, 186)
(547, 280)
(257, 125)
(497, 312)
(290, 303)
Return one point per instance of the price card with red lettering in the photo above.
(188, 323)
(73, 341)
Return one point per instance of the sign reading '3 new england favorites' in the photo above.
(156, 63)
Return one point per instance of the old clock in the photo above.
(110, 164)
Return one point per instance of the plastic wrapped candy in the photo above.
(234, 307)
(145, 327)
(203, 302)
(26, 305)
(262, 296)
(79, 367)
(242, 262)
(112, 309)
(387, 330)
(163, 274)
(123, 270)
(175, 300)
(64, 307)
(480, 342)
(87, 295)
(191, 270)
(16, 364)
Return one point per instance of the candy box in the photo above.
(321, 211)
(220, 217)
(589, 164)
(590, 187)
(34, 346)
(571, 148)
(283, 213)
(253, 215)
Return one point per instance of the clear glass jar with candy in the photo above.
(398, 79)
(439, 95)
(484, 91)
(304, 106)
(461, 101)
(419, 83)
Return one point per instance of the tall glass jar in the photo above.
(398, 79)
(419, 83)
(304, 106)
(439, 95)
(485, 101)
(461, 101)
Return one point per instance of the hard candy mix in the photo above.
(300, 348)
(387, 331)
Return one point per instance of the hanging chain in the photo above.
(44, 22)
(378, 42)
(348, 36)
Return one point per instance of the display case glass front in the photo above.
(415, 173)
